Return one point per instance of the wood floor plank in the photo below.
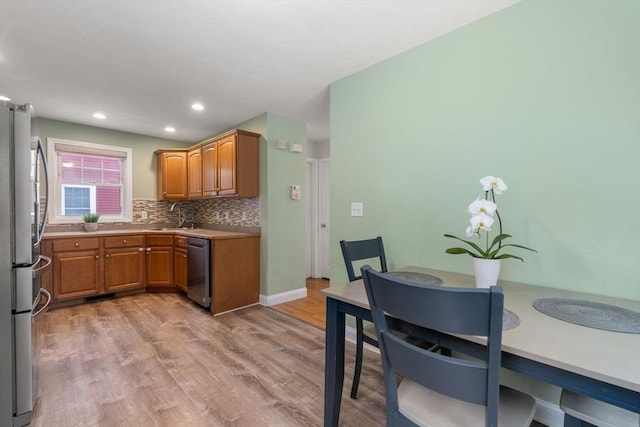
(160, 360)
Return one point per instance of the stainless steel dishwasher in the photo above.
(198, 271)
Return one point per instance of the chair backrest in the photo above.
(467, 311)
(358, 250)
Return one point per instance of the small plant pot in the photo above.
(90, 226)
(486, 272)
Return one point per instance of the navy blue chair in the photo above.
(435, 389)
(352, 252)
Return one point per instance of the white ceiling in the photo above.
(144, 62)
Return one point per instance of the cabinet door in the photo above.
(210, 169)
(160, 266)
(194, 168)
(172, 175)
(227, 166)
(124, 269)
(180, 268)
(76, 274)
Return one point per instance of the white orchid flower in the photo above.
(481, 222)
(493, 183)
(469, 232)
(482, 206)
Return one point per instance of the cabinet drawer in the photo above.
(75, 244)
(180, 241)
(159, 240)
(123, 241)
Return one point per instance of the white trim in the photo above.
(314, 199)
(324, 198)
(269, 300)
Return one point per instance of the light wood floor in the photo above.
(310, 309)
(160, 360)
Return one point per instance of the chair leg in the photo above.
(359, 349)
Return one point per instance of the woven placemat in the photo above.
(590, 314)
(509, 319)
(422, 278)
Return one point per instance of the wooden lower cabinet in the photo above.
(92, 266)
(235, 273)
(159, 260)
(76, 274)
(180, 269)
(124, 263)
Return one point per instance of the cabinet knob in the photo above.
(124, 242)
(107, 255)
(140, 249)
(77, 244)
(97, 256)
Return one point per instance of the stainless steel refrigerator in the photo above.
(21, 264)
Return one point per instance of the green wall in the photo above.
(545, 95)
(283, 234)
(144, 163)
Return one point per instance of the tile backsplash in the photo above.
(231, 214)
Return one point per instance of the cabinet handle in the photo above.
(140, 249)
(77, 244)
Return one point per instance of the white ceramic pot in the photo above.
(486, 272)
(90, 226)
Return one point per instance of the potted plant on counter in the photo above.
(91, 221)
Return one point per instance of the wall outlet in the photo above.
(357, 209)
(143, 215)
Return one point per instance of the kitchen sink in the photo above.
(167, 229)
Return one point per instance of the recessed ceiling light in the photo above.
(170, 129)
(4, 98)
(99, 116)
(197, 107)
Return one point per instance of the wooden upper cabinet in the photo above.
(210, 169)
(194, 175)
(223, 166)
(230, 165)
(227, 166)
(172, 174)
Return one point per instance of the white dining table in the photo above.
(598, 363)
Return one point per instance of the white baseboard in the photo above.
(269, 300)
(546, 412)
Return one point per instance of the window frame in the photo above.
(55, 193)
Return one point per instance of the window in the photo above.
(87, 178)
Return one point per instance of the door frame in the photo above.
(312, 219)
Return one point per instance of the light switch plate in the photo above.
(357, 209)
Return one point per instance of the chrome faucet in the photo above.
(181, 216)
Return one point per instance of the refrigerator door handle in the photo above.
(47, 261)
(40, 225)
(47, 295)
